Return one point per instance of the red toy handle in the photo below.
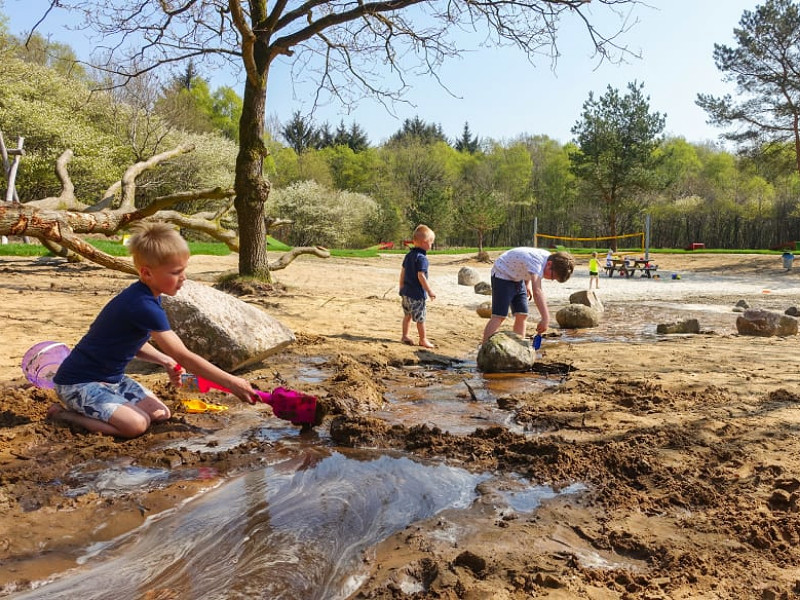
(203, 384)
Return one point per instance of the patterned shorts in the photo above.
(415, 308)
(99, 400)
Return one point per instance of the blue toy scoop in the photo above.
(537, 341)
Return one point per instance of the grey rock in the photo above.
(483, 288)
(792, 311)
(587, 298)
(765, 323)
(685, 326)
(577, 316)
(468, 276)
(743, 304)
(222, 329)
(506, 352)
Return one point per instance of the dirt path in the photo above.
(688, 446)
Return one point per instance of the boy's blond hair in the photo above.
(153, 243)
(425, 233)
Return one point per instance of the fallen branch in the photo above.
(58, 221)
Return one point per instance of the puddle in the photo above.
(524, 497)
(296, 529)
(456, 400)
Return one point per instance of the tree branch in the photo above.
(129, 178)
(286, 258)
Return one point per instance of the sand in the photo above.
(688, 445)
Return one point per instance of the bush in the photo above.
(323, 217)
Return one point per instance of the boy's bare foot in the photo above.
(407, 341)
(426, 344)
(54, 412)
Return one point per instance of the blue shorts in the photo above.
(507, 294)
(99, 400)
(415, 308)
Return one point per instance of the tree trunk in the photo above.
(252, 188)
(612, 220)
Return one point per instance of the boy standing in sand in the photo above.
(594, 272)
(517, 277)
(414, 287)
(92, 382)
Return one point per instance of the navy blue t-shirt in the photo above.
(117, 334)
(416, 261)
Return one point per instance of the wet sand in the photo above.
(687, 444)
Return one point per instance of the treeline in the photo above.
(342, 191)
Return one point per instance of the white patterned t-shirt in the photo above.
(521, 264)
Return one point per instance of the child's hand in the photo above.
(175, 373)
(432, 295)
(242, 389)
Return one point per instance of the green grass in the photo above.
(109, 247)
(278, 246)
(22, 250)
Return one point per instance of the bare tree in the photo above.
(348, 47)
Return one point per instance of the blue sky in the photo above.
(502, 95)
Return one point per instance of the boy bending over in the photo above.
(516, 278)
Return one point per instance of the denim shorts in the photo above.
(415, 308)
(507, 293)
(99, 400)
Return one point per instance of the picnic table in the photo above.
(627, 267)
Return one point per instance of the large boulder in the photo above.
(577, 316)
(468, 276)
(222, 329)
(587, 298)
(506, 352)
(765, 323)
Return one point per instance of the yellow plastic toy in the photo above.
(195, 405)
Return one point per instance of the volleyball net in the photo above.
(593, 242)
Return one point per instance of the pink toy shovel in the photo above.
(289, 405)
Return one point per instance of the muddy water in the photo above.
(302, 526)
